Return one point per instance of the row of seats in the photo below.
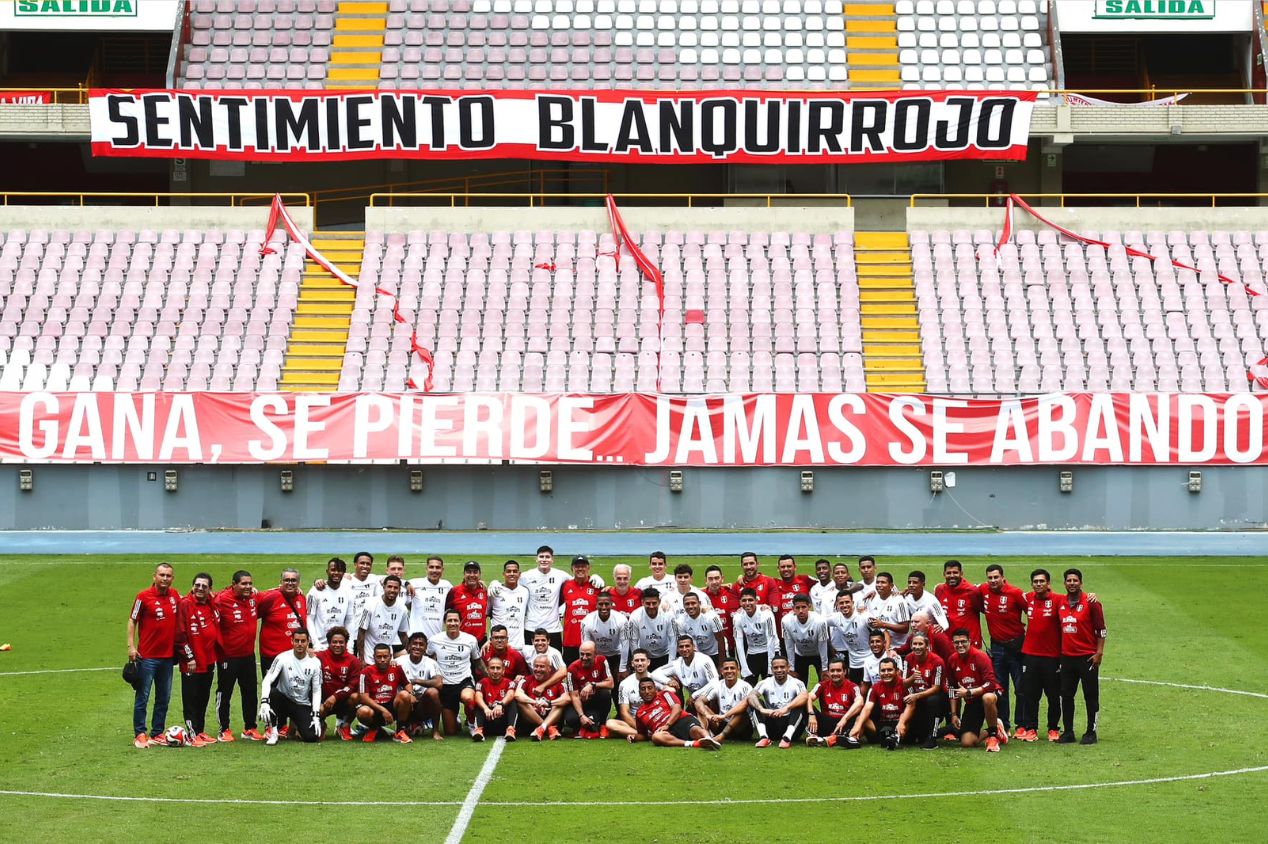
(617, 43)
(145, 310)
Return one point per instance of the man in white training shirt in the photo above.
(671, 602)
(426, 598)
(848, 629)
(826, 601)
(508, 603)
(628, 699)
(918, 599)
(651, 630)
(805, 639)
(544, 584)
(756, 639)
(422, 674)
(458, 655)
(723, 704)
(292, 691)
(778, 706)
(385, 621)
(889, 611)
(334, 606)
(702, 625)
(659, 579)
(690, 672)
(607, 628)
(541, 647)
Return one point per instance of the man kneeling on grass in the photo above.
(661, 719)
(382, 699)
(542, 700)
(292, 691)
(972, 689)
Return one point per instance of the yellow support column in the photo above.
(319, 336)
(871, 46)
(356, 56)
(892, 359)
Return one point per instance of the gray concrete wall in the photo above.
(507, 498)
(801, 219)
(133, 217)
(1079, 219)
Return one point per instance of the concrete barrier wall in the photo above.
(805, 219)
(1097, 219)
(133, 217)
(627, 498)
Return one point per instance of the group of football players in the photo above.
(830, 659)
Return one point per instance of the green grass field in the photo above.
(1171, 620)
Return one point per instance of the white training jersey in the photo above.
(507, 607)
(693, 676)
(893, 610)
(849, 635)
(297, 678)
(362, 591)
(723, 697)
(671, 601)
(663, 586)
(608, 636)
(826, 602)
(543, 599)
(866, 595)
(777, 695)
(454, 656)
(808, 638)
(702, 629)
(417, 672)
(427, 606)
(627, 692)
(930, 604)
(872, 667)
(754, 634)
(383, 625)
(656, 635)
(328, 608)
(556, 658)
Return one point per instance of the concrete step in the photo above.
(891, 271)
(886, 297)
(362, 7)
(881, 241)
(344, 41)
(314, 380)
(295, 363)
(315, 350)
(320, 335)
(343, 309)
(322, 320)
(893, 350)
(906, 336)
(871, 75)
(872, 256)
(878, 27)
(353, 74)
(871, 42)
(888, 322)
(896, 382)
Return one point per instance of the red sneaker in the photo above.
(510, 734)
(371, 735)
(1001, 732)
(1053, 735)
(537, 734)
(284, 731)
(603, 732)
(205, 739)
(552, 733)
(1031, 735)
(225, 735)
(141, 742)
(763, 743)
(992, 745)
(252, 735)
(402, 737)
(345, 732)
(477, 734)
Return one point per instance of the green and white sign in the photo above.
(76, 8)
(1155, 9)
(90, 15)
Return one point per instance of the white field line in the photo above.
(473, 796)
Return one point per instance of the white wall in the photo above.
(131, 217)
(1078, 219)
(596, 219)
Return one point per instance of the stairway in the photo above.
(892, 359)
(871, 46)
(356, 56)
(319, 336)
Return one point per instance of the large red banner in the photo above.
(25, 97)
(666, 127)
(770, 429)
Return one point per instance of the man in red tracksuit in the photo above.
(236, 655)
(200, 626)
(282, 611)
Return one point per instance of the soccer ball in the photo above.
(175, 737)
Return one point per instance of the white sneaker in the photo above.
(270, 736)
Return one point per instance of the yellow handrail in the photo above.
(988, 198)
(234, 199)
(77, 95)
(389, 199)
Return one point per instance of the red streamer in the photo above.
(646, 268)
(278, 213)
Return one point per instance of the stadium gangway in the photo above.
(1072, 199)
(89, 198)
(690, 200)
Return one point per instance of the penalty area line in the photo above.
(473, 796)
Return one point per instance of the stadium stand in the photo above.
(259, 44)
(1049, 315)
(973, 44)
(743, 311)
(144, 309)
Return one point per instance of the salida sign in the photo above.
(1156, 9)
(81, 8)
(769, 429)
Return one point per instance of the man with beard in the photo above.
(508, 604)
(333, 606)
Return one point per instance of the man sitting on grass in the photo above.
(661, 719)
(382, 696)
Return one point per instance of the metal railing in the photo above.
(989, 200)
(58, 96)
(534, 200)
(90, 198)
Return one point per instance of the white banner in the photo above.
(1189, 17)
